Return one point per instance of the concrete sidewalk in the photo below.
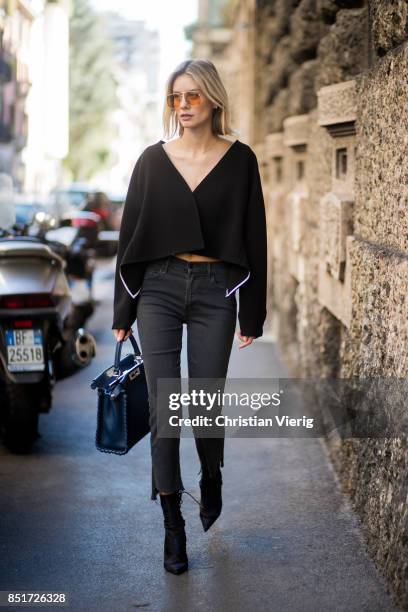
(78, 521)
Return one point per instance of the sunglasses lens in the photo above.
(171, 100)
(192, 98)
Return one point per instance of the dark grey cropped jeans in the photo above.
(176, 292)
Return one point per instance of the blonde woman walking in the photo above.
(193, 233)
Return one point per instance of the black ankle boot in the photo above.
(211, 500)
(175, 556)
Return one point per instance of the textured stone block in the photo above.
(302, 93)
(336, 296)
(295, 137)
(318, 169)
(274, 145)
(296, 130)
(382, 152)
(380, 311)
(278, 111)
(278, 72)
(343, 52)
(336, 223)
(337, 113)
(278, 22)
(306, 31)
(389, 24)
(327, 9)
(337, 103)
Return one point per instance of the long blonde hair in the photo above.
(207, 78)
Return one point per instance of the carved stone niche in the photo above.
(336, 112)
(336, 223)
(275, 155)
(295, 139)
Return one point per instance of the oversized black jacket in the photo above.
(223, 217)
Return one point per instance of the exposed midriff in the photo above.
(194, 257)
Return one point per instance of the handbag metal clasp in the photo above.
(132, 375)
(115, 392)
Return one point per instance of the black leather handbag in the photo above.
(123, 404)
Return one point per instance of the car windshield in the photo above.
(7, 215)
(74, 198)
(26, 212)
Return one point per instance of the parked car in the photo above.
(28, 209)
(73, 197)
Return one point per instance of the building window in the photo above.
(300, 169)
(278, 169)
(341, 163)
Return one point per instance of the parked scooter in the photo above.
(38, 343)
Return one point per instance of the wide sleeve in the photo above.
(252, 294)
(124, 304)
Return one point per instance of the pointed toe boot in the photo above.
(211, 499)
(175, 555)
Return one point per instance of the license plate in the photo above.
(25, 352)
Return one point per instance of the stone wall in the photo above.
(335, 94)
(329, 123)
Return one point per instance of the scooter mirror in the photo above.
(7, 205)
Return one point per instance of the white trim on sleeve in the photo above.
(228, 293)
(126, 287)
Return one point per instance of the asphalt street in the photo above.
(78, 521)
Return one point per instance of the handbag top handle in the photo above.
(119, 350)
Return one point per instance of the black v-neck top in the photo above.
(223, 217)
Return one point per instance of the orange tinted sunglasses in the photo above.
(193, 98)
